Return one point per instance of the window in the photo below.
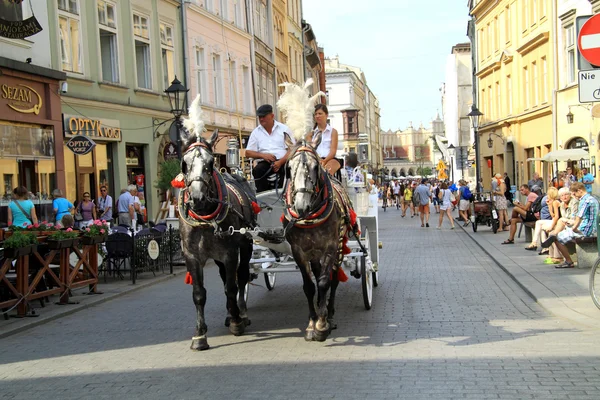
(201, 75)
(270, 84)
(70, 35)
(544, 80)
(232, 86)
(481, 45)
(570, 53)
(509, 94)
(526, 89)
(141, 34)
(167, 51)
(225, 10)
(247, 89)
(483, 105)
(534, 11)
(536, 95)
(525, 15)
(217, 80)
(108, 41)
(263, 86)
(209, 5)
(498, 101)
(237, 13)
(490, 101)
(507, 22)
(264, 26)
(489, 40)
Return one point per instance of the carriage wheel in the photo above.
(474, 224)
(367, 278)
(595, 283)
(270, 280)
(495, 224)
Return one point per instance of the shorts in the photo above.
(463, 205)
(567, 235)
(436, 201)
(424, 208)
(407, 202)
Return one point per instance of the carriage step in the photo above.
(354, 254)
(262, 260)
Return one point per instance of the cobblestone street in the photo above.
(447, 323)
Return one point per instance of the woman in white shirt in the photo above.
(329, 138)
(445, 205)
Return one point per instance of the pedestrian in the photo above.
(568, 211)
(105, 204)
(587, 179)
(267, 144)
(549, 215)
(464, 197)
(436, 197)
(521, 213)
(536, 181)
(423, 196)
(508, 192)
(87, 209)
(21, 211)
(569, 177)
(126, 206)
(445, 205)
(500, 202)
(407, 201)
(61, 206)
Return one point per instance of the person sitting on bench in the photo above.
(267, 143)
(521, 213)
(583, 226)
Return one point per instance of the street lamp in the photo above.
(452, 153)
(177, 94)
(474, 116)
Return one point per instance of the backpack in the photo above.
(536, 206)
(466, 193)
(416, 197)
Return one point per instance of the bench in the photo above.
(587, 251)
(528, 230)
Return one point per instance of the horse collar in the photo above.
(216, 216)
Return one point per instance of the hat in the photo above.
(263, 110)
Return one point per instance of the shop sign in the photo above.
(22, 98)
(105, 130)
(132, 161)
(18, 29)
(81, 145)
(170, 152)
(153, 249)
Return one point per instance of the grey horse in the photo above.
(315, 224)
(209, 205)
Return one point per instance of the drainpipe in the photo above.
(555, 77)
(184, 43)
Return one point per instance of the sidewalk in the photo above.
(563, 292)
(111, 289)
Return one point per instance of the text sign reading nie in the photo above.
(589, 86)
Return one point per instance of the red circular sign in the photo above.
(588, 40)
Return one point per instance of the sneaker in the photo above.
(427, 224)
(439, 228)
(452, 227)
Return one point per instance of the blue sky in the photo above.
(401, 45)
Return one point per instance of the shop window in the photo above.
(108, 41)
(167, 51)
(11, 11)
(142, 51)
(69, 31)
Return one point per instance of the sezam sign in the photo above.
(81, 145)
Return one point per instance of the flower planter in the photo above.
(92, 240)
(54, 244)
(19, 252)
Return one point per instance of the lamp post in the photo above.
(177, 94)
(474, 116)
(451, 153)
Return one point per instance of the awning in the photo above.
(563, 155)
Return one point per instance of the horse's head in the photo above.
(197, 165)
(306, 173)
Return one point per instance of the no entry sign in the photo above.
(588, 40)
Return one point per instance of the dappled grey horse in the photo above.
(315, 222)
(212, 206)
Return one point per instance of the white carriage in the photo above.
(272, 253)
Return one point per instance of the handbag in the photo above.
(452, 197)
(78, 217)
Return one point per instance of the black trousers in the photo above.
(265, 180)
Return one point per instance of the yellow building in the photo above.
(514, 61)
(280, 33)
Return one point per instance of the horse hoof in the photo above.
(227, 321)
(199, 344)
(309, 335)
(237, 329)
(246, 321)
(321, 336)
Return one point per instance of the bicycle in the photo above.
(595, 283)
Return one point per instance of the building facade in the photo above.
(280, 34)
(118, 57)
(219, 62)
(514, 71)
(295, 45)
(31, 135)
(457, 97)
(407, 152)
(265, 84)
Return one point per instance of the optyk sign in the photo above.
(81, 145)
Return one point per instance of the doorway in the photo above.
(86, 182)
(27, 175)
(510, 164)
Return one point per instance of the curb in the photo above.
(79, 307)
(554, 305)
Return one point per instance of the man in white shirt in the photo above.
(267, 143)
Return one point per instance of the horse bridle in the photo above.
(301, 152)
(197, 147)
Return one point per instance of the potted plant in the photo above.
(43, 228)
(168, 171)
(61, 239)
(95, 233)
(19, 244)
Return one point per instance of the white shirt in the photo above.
(274, 143)
(325, 146)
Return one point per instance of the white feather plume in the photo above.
(298, 107)
(195, 123)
